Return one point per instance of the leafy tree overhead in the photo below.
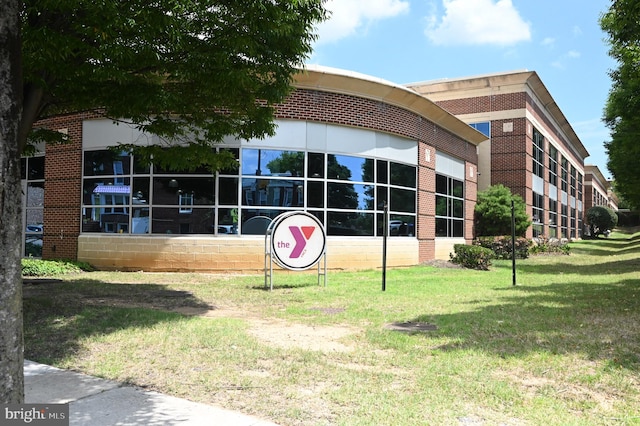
(190, 72)
(200, 70)
(493, 212)
(622, 111)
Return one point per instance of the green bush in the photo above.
(473, 256)
(492, 213)
(42, 268)
(501, 246)
(601, 219)
(542, 245)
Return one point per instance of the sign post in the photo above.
(296, 241)
(513, 242)
(385, 232)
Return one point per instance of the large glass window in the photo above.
(564, 174)
(564, 221)
(553, 165)
(483, 127)
(553, 218)
(449, 207)
(538, 214)
(32, 174)
(538, 153)
(345, 192)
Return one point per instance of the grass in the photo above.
(562, 347)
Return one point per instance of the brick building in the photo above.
(597, 190)
(532, 148)
(345, 145)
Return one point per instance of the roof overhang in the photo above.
(451, 89)
(350, 83)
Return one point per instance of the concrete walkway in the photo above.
(97, 402)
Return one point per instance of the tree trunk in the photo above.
(11, 335)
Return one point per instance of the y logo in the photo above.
(297, 240)
(301, 234)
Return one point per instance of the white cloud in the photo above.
(350, 16)
(477, 22)
(548, 42)
(561, 62)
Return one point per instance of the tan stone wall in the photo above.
(210, 254)
(444, 247)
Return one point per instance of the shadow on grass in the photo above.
(58, 314)
(599, 320)
(612, 267)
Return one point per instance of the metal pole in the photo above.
(513, 241)
(385, 231)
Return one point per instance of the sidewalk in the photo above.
(97, 402)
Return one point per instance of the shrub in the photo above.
(42, 268)
(493, 212)
(541, 245)
(501, 246)
(473, 256)
(601, 219)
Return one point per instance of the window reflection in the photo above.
(172, 221)
(266, 162)
(449, 207)
(398, 225)
(173, 191)
(349, 196)
(272, 192)
(349, 223)
(36, 168)
(345, 167)
(106, 163)
(403, 175)
(346, 190)
(316, 165)
(402, 200)
(35, 194)
(228, 191)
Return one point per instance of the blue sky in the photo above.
(406, 41)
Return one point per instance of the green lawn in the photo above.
(562, 347)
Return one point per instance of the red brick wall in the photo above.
(481, 104)
(354, 111)
(63, 175)
(511, 152)
(63, 186)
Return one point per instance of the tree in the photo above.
(622, 111)
(190, 72)
(601, 219)
(11, 338)
(493, 212)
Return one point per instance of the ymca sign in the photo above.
(298, 240)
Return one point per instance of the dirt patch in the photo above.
(272, 331)
(439, 263)
(605, 398)
(285, 334)
(313, 338)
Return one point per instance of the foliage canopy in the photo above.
(189, 71)
(622, 111)
(493, 212)
(601, 219)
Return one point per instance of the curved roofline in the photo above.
(325, 79)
